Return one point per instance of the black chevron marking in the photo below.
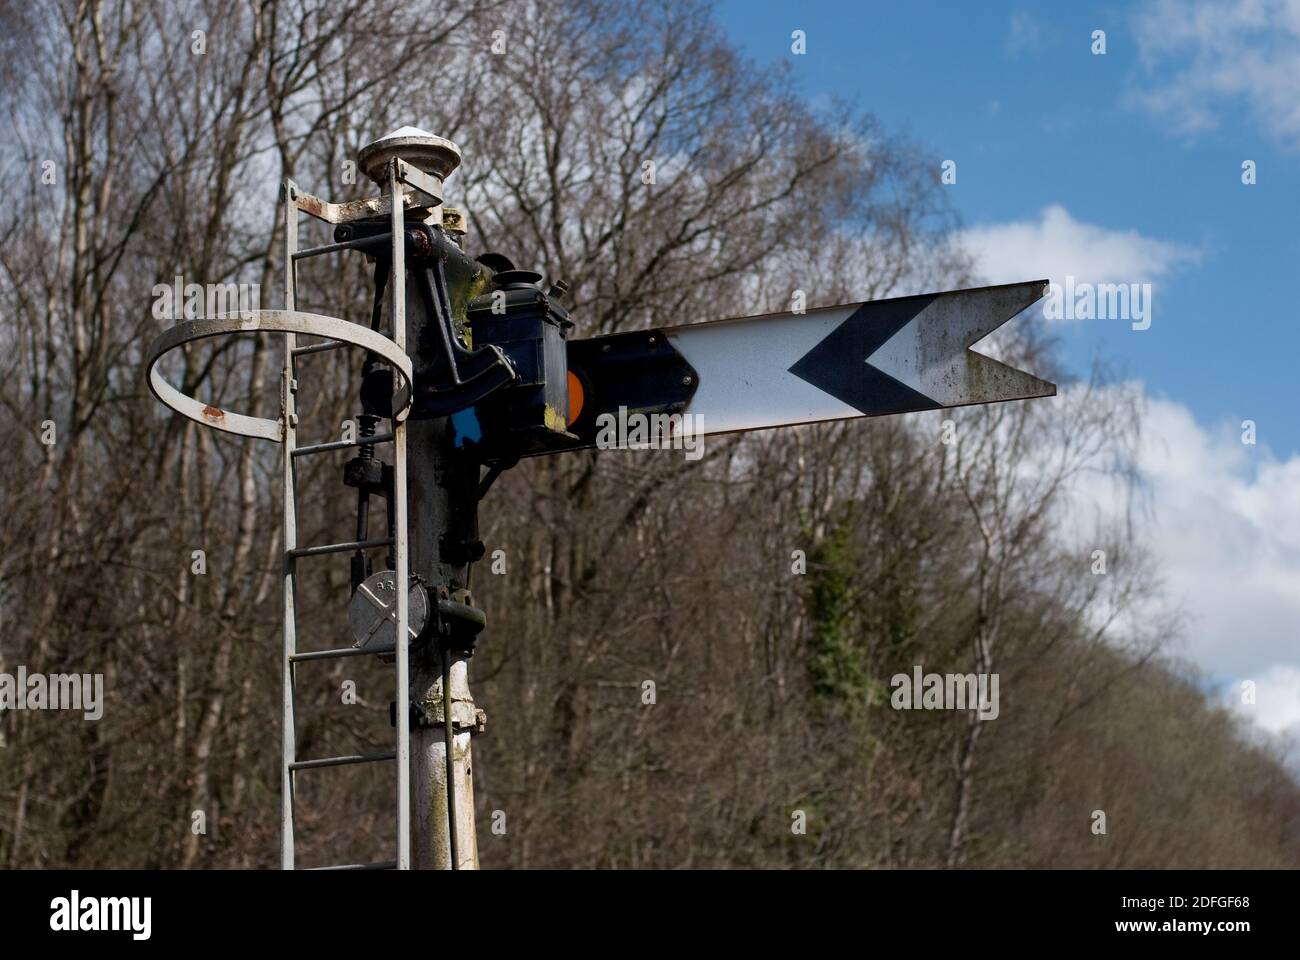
(837, 365)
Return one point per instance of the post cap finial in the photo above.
(421, 149)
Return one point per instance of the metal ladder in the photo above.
(294, 203)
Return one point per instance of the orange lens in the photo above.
(575, 397)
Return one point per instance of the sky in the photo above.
(1126, 167)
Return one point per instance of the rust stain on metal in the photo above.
(350, 210)
(422, 245)
(213, 413)
(313, 205)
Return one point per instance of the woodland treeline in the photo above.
(132, 157)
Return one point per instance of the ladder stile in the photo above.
(403, 718)
(289, 418)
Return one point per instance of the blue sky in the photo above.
(1127, 167)
(1013, 94)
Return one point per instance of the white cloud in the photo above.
(1226, 535)
(1206, 58)
(1057, 245)
(1277, 699)
(1223, 531)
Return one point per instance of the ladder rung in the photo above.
(343, 652)
(381, 865)
(361, 243)
(340, 547)
(319, 347)
(342, 761)
(340, 444)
